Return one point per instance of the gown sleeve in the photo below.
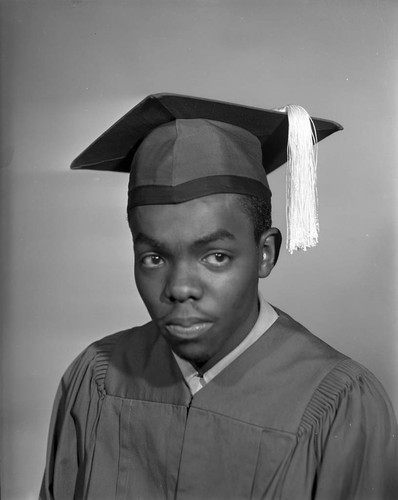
(358, 455)
(75, 412)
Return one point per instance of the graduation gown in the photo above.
(290, 418)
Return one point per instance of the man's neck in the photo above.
(207, 371)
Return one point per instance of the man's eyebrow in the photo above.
(220, 234)
(143, 238)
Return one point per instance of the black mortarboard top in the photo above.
(179, 148)
(115, 148)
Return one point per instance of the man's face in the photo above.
(197, 269)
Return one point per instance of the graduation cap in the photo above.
(177, 148)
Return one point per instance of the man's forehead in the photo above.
(199, 219)
(214, 203)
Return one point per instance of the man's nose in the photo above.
(183, 283)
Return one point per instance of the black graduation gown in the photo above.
(290, 418)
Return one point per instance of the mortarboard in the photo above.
(178, 148)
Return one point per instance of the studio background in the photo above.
(71, 68)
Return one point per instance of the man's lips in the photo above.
(187, 327)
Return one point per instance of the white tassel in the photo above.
(301, 186)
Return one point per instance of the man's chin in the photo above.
(192, 354)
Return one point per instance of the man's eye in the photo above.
(152, 261)
(217, 259)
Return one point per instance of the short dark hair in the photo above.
(259, 212)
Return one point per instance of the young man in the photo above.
(220, 396)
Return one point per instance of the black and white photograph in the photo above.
(199, 273)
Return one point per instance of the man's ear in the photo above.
(269, 246)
